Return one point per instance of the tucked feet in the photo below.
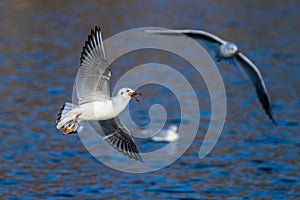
(71, 126)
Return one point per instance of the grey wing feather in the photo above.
(256, 79)
(197, 34)
(93, 77)
(118, 136)
(211, 41)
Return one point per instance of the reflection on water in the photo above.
(39, 56)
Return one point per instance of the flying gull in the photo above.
(229, 51)
(95, 105)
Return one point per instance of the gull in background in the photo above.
(168, 135)
(95, 104)
(229, 51)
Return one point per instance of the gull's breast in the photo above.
(97, 110)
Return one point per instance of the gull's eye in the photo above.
(121, 93)
(127, 90)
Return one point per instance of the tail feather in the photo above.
(65, 108)
(59, 114)
(62, 112)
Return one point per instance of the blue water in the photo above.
(40, 45)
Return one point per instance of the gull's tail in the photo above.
(66, 122)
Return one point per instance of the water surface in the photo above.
(39, 56)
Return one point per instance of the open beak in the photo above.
(133, 95)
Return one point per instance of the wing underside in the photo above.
(118, 136)
(254, 75)
(93, 77)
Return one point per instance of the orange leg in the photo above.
(71, 129)
(66, 129)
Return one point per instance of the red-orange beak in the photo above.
(133, 95)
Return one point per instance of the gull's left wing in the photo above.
(254, 75)
(117, 135)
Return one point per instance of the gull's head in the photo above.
(228, 50)
(128, 94)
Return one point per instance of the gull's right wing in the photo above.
(211, 41)
(197, 34)
(93, 78)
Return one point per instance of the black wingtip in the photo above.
(269, 112)
(274, 121)
(266, 103)
(133, 154)
(271, 116)
(130, 151)
(89, 42)
(136, 155)
(139, 158)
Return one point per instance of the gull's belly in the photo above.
(98, 110)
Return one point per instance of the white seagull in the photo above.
(95, 104)
(229, 51)
(169, 135)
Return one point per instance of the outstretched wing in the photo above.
(93, 77)
(198, 34)
(118, 136)
(256, 79)
(211, 41)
